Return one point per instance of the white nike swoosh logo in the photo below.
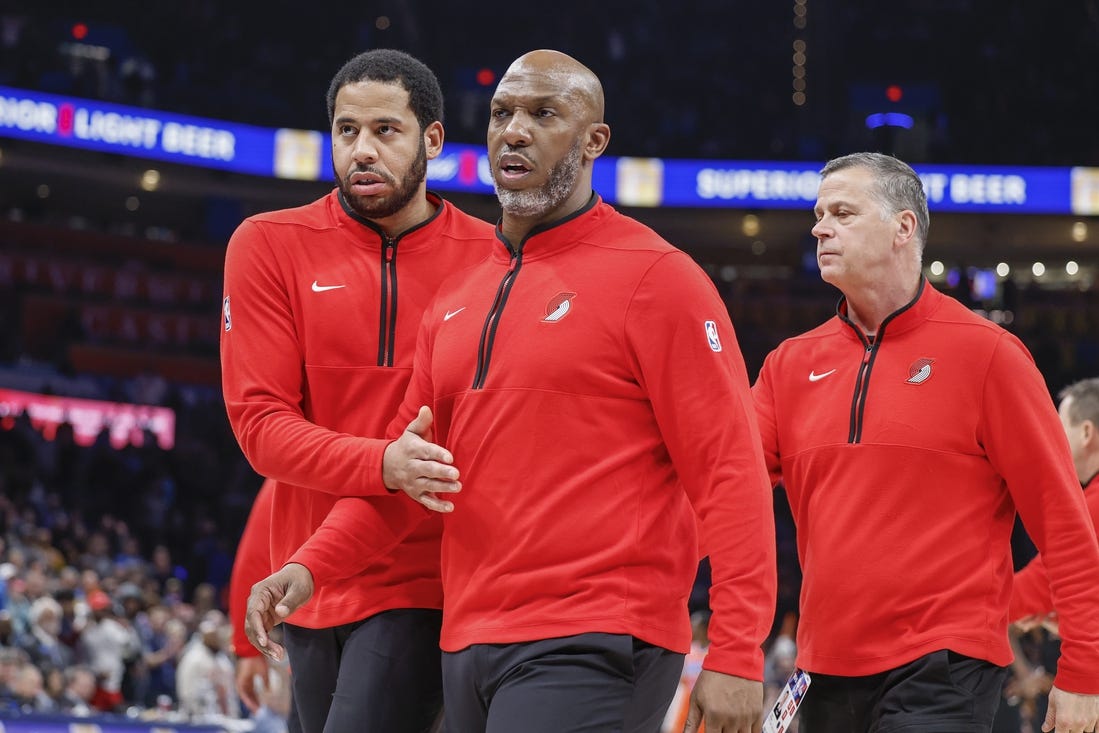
(814, 377)
(451, 314)
(322, 288)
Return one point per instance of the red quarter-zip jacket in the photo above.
(590, 386)
(319, 325)
(905, 460)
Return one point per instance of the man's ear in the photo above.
(433, 139)
(599, 136)
(906, 228)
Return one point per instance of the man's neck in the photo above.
(868, 308)
(418, 210)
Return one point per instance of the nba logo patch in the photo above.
(226, 317)
(711, 335)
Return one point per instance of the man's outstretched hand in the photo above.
(420, 468)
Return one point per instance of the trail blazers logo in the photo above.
(558, 307)
(920, 371)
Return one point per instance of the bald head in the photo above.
(545, 131)
(571, 77)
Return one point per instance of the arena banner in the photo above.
(145, 133)
(125, 423)
(780, 185)
(627, 181)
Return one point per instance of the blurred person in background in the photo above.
(79, 691)
(204, 677)
(907, 431)
(274, 712)
(41, 641)
(27, 694)
(1032, 611)
(107, 645)
(1031, 594)
(322, 304)
(12, 660)
(251, 564)
(160, 649)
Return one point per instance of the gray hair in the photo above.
(896, 186)
(1085, 400)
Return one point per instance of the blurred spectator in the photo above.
(204, 678)
(27, 694)
(108, 645)
(42, 640)
(274, 700)
(11, 661)
(80, 688)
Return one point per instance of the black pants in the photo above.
(591, 683)
(941, 692)
(379, 675)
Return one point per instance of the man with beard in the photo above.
(320, 313)
(587, 381)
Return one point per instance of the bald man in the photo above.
(587, 382)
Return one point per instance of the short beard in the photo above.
(548, 196)
(371, 207)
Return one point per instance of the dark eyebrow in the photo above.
(342, 119)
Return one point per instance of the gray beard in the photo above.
(547, 197)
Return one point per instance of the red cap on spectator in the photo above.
(98, 600)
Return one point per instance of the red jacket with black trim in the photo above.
(591, 388)
(1030, 593)
(904, 461)
(319, 329)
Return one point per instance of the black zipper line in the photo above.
(492, 321)
(387, 316)
(862, 382)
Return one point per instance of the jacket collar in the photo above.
(556, 235)
(905, 318)
(409, 237)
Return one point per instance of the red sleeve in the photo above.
(763, 398)
(263, 382)
(1030, 594)
(357, 532)
(1017, 410)
(251, 564)
(689, 361)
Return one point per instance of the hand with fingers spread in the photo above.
(726, 704)
(272, 600)
(1069, 712)
(415, 465)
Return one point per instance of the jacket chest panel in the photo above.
(553, 330)
(902, 394)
